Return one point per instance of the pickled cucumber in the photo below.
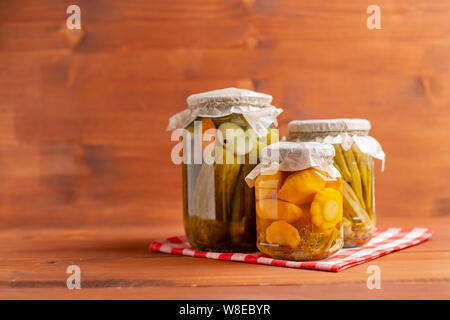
(225, 177)
(219, 207)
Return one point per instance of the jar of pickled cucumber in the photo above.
(223, 132)
(355, 151)
(298, 195)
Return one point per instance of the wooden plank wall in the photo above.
(83, 114)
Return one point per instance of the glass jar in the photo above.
(354, 150)
(298, 202)
(226, 129)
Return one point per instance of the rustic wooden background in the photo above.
(83, 113)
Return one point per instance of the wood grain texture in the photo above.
(83, 113)
(115, 264)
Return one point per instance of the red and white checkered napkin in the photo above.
(384, 241)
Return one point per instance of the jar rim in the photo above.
(232, 96)
(329, 125)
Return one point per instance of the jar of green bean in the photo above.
(355, 151)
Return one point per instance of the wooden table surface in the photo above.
(84, 156)
(115, 264)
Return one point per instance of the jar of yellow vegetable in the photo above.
(222, 132)
(298, 195)
(355, 151)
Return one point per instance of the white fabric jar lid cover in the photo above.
(297, 151)
(329, 125)
(294, 156)
(229, 95)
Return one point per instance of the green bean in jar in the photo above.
(348, 136)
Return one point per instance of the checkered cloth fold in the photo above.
(384, 241)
